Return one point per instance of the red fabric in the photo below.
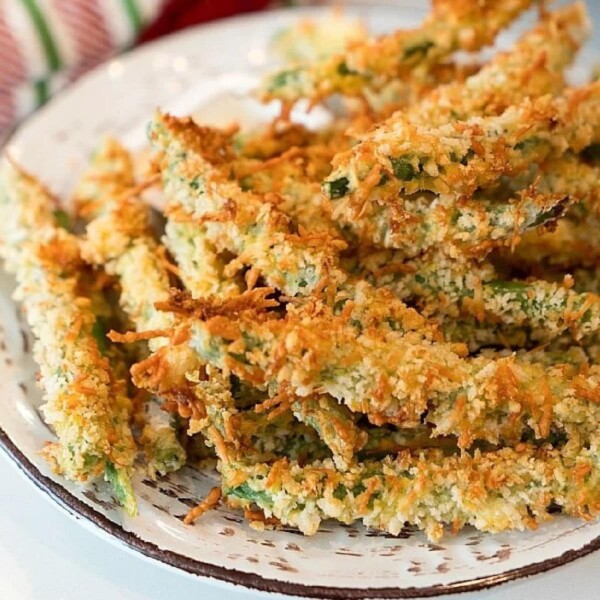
(177, 14)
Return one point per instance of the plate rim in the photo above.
(75, 507)
(102, 526)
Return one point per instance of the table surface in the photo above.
(46, 555)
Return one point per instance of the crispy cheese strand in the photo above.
(279, 136)
(118, 238)
(468, 25)
(294, 188)
(511, 488)
(110, 174)
(84, 405)
(459, 157)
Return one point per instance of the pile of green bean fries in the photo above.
(393, 320)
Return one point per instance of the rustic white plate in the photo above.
(206, 70)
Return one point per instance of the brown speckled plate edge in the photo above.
(75, 507)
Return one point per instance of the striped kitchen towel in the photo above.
(46, 44)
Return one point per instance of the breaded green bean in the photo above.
(468, 226)
(335, 426)
(451, 26)
(395, 378)
(200, 268)
(511, 488)
(459, 157)
(441, 285)
(162, 448)
(294, 186)
(476, 225)
(532, 67)
(261, 236)
(85, 406)
(119, 239)
(247, 435)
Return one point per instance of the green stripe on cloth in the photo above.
(41, 25)
(133, 14)
(40, 87)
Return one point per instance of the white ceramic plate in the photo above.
(205, 70)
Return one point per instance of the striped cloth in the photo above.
(46, 44)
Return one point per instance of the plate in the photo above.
(207, 70)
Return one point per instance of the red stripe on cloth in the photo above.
(77, 72)
(88, 30)
(13, 69)
(8, 113)
(178, 14)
